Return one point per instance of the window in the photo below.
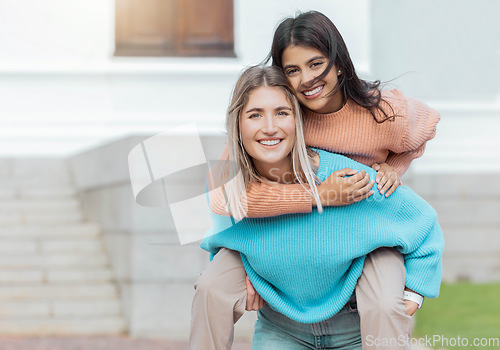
(174, 28)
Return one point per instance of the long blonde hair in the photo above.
(239, 168)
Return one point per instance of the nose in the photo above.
(307, 78)
(270, 126)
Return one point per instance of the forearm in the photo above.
(265, 200)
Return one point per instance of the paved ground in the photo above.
(104, 343)
(96, 343)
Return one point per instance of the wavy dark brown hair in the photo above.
(314, 29)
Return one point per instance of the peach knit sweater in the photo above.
(353, 132)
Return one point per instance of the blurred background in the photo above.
(82, 82)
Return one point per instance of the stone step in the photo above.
(63, 326)
(55, 291)
(7, 193)
(70, 276)
(51, 309)
(30, 276)
(41, 204)
(54, 260)
(69, 245)
(36, 171)
(87, 308)
(83, 245)
(18, 247)
(42, 232)
(46, 207)
(35, 309)
(23, 276)
(22, 191)
(45, 219)
(46, 192)
(10, 219)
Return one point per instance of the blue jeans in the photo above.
(274, 331)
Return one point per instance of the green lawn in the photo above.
(462, 310)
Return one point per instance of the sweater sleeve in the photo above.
(262, 199)
(416, 122)
(421, 242)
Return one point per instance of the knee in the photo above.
(208, 285)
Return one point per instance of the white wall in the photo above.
(55, 32)
(446, 53)
(63, 91)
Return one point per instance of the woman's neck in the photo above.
(336, 103)
(281, 172)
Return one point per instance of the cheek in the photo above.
(290, 128)
(294, 82)
(246, 131)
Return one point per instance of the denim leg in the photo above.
(276, 331)
(342, 331)
(269, 337)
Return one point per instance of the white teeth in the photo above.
(269, 142)
(315, 91)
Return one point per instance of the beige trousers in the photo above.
(220, 300)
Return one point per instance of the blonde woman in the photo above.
(305, 266)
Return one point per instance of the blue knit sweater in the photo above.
(306, 266)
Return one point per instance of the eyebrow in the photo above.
(277, 109)
(309, 61)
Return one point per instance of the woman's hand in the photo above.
(340, 188)
(388, 179)
(411, 307)
(254, 300)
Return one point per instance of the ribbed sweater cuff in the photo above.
(425, 281)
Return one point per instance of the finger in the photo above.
(357, 177)
(344, 172)
(383, 181)
(364, 190)
(360, 198)
(376, 167)
(387, 185)
(411, 307)
(250, 301)
(255, 297)
(258, 304)
(393, 188)
(250, 295)
(380, 174)
(362, 183)
(392, 178)
(255, 305)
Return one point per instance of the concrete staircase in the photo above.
(55, 278)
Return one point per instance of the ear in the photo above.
(339, 71)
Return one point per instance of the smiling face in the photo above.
(267, 125)
(301, 66)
